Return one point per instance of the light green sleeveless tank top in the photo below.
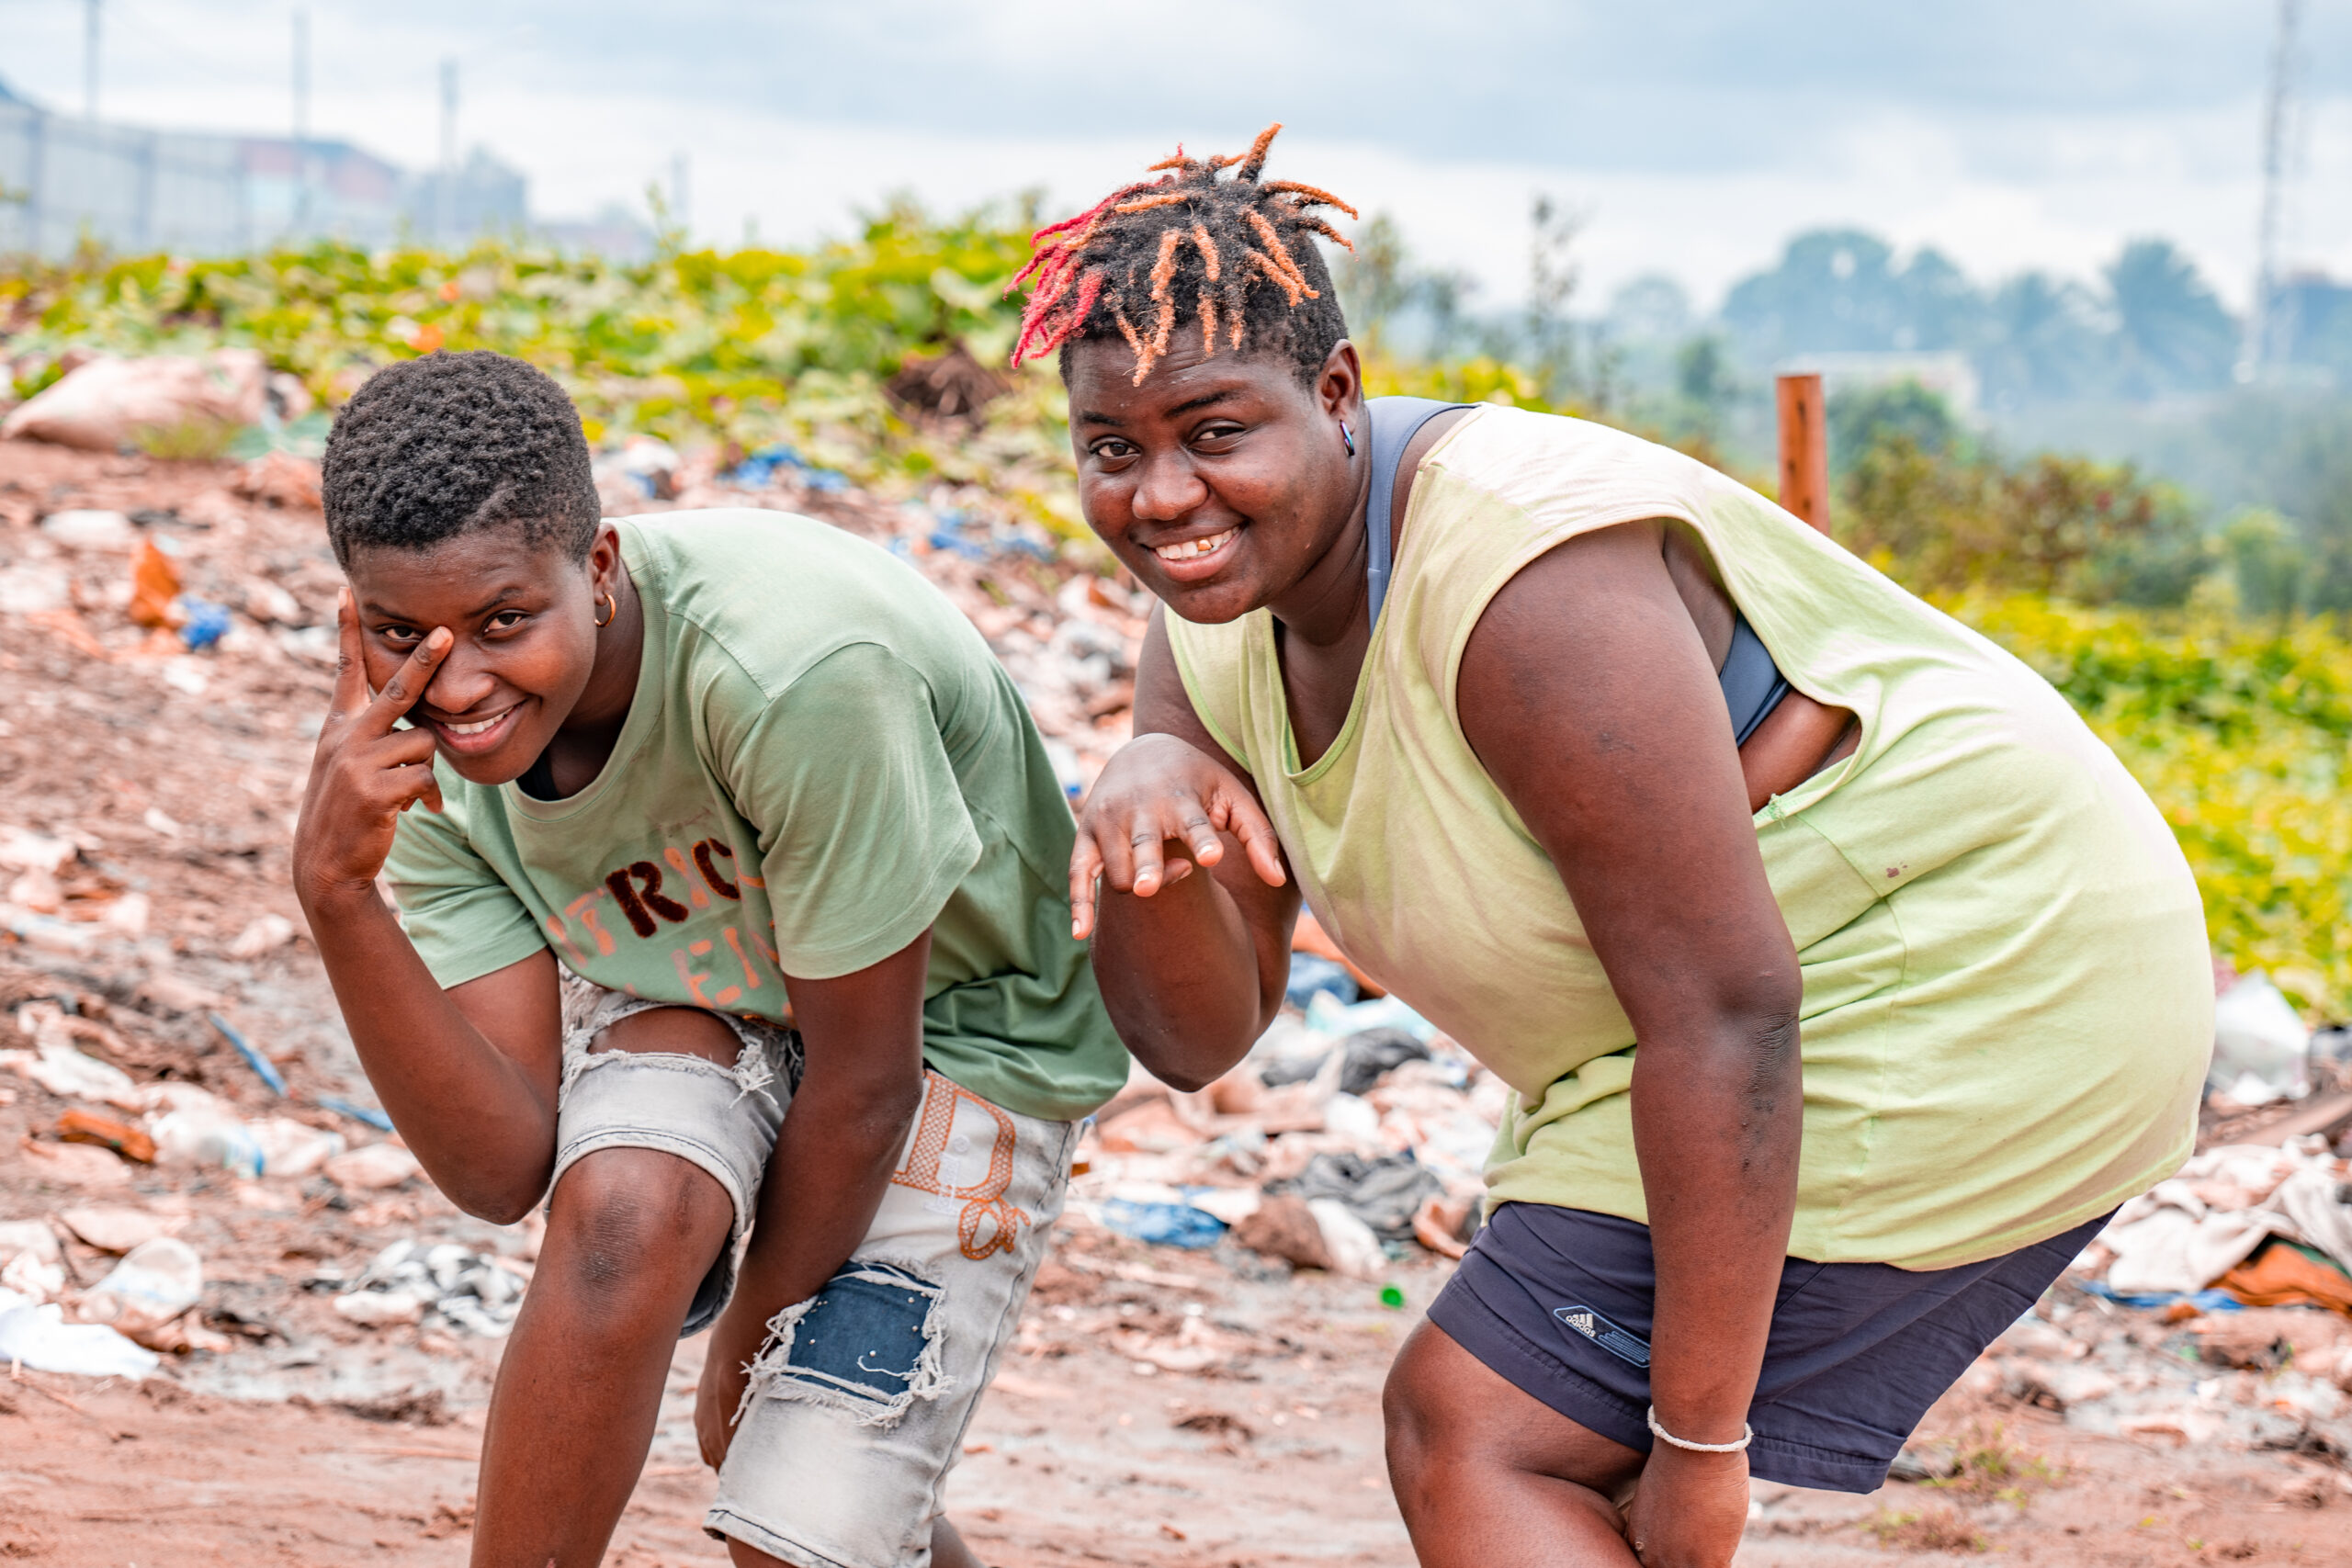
(2008, 998)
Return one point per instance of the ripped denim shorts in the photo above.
(859, 1399)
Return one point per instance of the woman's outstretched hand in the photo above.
(1158, 791)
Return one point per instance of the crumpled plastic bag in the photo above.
(39, 1336)
(2258, 1036)
(108, 405)
(154, 1283)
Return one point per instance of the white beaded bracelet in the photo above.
(1747, 1436)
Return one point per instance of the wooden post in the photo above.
(1805, 450)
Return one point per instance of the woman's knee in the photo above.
(1417, 1406)
(632, 1231)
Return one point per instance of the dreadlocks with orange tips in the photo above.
(1237, 252)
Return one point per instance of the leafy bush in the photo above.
(749, 345)
(1944, 520)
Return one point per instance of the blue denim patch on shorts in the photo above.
(1560, 1302)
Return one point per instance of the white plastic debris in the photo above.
(372, 1168)
(69, 1074)
(1354, 1249)
(39, 1337)
(375, 1309)
(114, 1228)
(24, 849)
(89, 528)
(31, 1263)
(266, 934)
(154, 1283)
(106, 404)
(2257, 1035)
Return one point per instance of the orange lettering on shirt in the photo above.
(678, 864)
(687, 977)
(750, 976)
(584, 910)
(555, 931)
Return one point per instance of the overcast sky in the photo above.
(1697, 137)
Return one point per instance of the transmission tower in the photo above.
(2268, 329)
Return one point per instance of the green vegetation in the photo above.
(2191, 649)
(749, 346)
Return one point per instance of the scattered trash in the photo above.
(1354, 1249)
(2189, 1232)
(472, 1290)
(167, 401)
(31, 1262)
(1311, 976)
(87, 1127)
(261, 1065)
(69, 1074)
(88, 529)
(2261, 1049)
(112, 1229)
(38, 1336)
(154, 1283)
(265, 934)
(372, 1168)
(1284, 1227)
(1384, 1194)
(203, 624)
(283, 479)
(361, 1113)
(1168, 1225)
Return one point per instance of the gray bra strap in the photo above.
(1394, 422)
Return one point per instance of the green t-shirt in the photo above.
(822, 761)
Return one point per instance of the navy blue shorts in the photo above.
(1558, 1301)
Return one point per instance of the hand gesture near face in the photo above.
(365, 772)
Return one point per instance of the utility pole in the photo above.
(1804, 448)
(445, 217)
(680, 171)
(90, 60)
(302, 219)
(2265, 328)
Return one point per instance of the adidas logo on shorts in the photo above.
(1618, 1342)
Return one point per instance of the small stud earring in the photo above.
(1348, 437)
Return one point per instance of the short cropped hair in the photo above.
(434, 448)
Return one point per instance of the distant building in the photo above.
(64, 179)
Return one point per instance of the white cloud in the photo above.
(1698, 138)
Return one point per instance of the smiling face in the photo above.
(523, 620)
(1222, 482)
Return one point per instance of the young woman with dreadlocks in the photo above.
(1572, 743)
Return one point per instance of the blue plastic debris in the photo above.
(207, 623)
(254, 1059)
(1163, 1225)
(758, 469)
(1311, 976)
(340, 1107)
(2203, 1301)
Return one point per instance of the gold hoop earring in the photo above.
(612, 609)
